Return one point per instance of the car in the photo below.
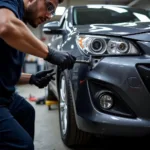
(107, 92)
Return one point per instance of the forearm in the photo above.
(24, 79)
(15, 33)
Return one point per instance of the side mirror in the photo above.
(52, 28)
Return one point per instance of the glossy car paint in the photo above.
(116, 73)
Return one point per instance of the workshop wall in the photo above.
(36, 31)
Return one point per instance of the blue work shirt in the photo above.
(11, 60)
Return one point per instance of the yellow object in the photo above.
(50, 102)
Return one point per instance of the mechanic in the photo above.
(17, 116)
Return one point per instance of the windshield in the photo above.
(109, 15)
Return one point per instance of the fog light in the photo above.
(106, 101)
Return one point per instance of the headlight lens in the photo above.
(102, 45)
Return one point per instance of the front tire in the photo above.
(49, 95)
(70, 134)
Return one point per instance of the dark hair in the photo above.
(60, 1)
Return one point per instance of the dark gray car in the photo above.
(110, 95)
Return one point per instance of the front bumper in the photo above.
(102, 124)
(123, 78)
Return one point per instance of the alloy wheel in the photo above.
(63, 106)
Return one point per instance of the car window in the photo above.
(109, 15)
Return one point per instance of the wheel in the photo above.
(49, 107)
(70, 134)
(49, 94)
(41, 100)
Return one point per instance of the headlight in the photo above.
(103, 45)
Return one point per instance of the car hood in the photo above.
(121, 29)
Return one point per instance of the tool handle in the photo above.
(82, 61)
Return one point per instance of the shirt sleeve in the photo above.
(11, 5)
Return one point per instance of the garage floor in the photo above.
(47, 136)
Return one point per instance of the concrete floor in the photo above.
(47, 135)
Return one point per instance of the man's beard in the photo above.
(30, 16)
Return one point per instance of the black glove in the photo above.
(41, 79)
(63, 59)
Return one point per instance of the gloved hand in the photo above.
(41, 79)
(63, 59)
